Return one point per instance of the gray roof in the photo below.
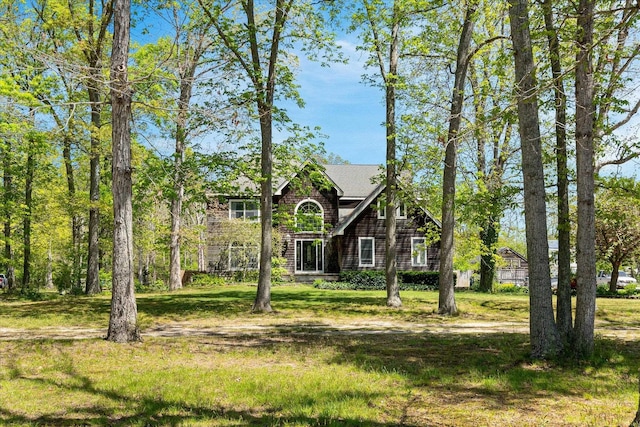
(355, 181)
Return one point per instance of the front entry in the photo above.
(309, 256)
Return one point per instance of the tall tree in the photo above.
(123, 322)
(446, 299)
(585, 240)
(545, 340)
(617, 225)
(564, 314)
(385, 44)
(258, 47)
(95, 43)
(192, 41)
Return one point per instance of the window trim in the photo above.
(373, 251)
(244, 209)
(401, 211)
(319, 214)
(424, 252)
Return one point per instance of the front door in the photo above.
(309, 257)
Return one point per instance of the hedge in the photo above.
(375, 280)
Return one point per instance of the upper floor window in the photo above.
(245, 209)
(309, 216)
(401, 210)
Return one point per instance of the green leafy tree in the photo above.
(617, 225)
(545, 340)
(257, 38)
(383, 38)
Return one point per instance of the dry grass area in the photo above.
(341, 359)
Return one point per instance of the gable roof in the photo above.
(506, 251)
(356, 181)
(350, 181)
(340, 228)
(282, 183)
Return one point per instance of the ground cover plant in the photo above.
(324, 358)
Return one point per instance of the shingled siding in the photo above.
(217, 211)
(368, 225)
(287, 202)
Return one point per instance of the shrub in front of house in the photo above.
(509, 288)
(207, 280)
(375, 280)
(427, 278)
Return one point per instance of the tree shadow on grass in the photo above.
(156, 411)
(503, 378)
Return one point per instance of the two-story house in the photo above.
(329, 218)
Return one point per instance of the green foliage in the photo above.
(278, 269)
(428, 278)
(206, 281)
(244, 276)
(603, 290)
(156, 286)
(509, 288)
(364, 279)
(375, 280)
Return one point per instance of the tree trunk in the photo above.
(123, 322)
(49, 274)
(585, 252)
(202, 240)
(75, 220)
(615, 273)
(26, 224)
(93, 262)
(262, 302)
(175, 278)
(446, 299)
(265, 92)
(545, 340)
(391, 264)
(564, 315)
(489, 238)
(93, 45)
(8, 202)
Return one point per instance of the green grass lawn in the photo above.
(301, 376)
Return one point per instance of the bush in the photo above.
(364, 280)
(207, 280)
(375, 280)
(156, 286)
(428, 278)
(603, 291)
(333, 286)
(105, 280)
(630, 289)
(509, 288)
(278, 269)
(246, 275)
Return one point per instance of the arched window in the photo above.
(309, 216)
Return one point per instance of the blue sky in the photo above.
(349, 112)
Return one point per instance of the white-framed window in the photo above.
(419, 254)
(243, 256)
(401, 210)
(309, 216)
(244, 209)
(367, 252)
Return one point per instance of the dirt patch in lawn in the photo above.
(298, 326)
